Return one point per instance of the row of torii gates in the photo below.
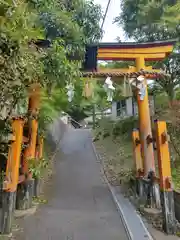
(142, 138)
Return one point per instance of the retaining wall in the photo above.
(56, 132)
(177, 204)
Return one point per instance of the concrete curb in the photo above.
(25, 213)
(124, 220)
(130, 226)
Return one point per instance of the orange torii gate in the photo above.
(18, 184)
(141, 53)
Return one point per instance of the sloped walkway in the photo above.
(80, 206)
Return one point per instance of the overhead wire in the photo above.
(103, 20)
(105, 15)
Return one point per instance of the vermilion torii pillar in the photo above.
(145, 124)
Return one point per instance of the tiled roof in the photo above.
(148, 74)
(134, 44)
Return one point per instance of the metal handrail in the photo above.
(72, 119)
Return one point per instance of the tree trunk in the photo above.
(171, 95)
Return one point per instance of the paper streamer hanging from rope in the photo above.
(140, 85)
(109, 88)
(88, 89)
(127, 89)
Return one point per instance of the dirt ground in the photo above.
(117, 158)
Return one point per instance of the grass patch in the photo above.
(40, 200)
(176, 177)
(113, 143)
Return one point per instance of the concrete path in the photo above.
(80, 205)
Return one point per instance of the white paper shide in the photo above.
(109, 88)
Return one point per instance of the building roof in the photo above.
(147, 74)
(126, 45)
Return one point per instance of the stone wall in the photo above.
(53, 138)
(56, 132)
(177, 204)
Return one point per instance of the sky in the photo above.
(111, 31)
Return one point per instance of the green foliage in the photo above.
(142, 19)
(117, 162)
(81, 106)
(116, 65)
(19, 64)
(36, 166)
(125, 127)
(176, 177)
(2, 178)
(145, 20)
(5, 138)
(69, 26)
(87, 14)
(50, 107)
(171, 17)
(161, 103)
(178, 94)
(77, 22)
(105, 127)
(58, 70)
(5, 128)
(100, 96)
(122, 128)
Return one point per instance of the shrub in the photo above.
(125, 127)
